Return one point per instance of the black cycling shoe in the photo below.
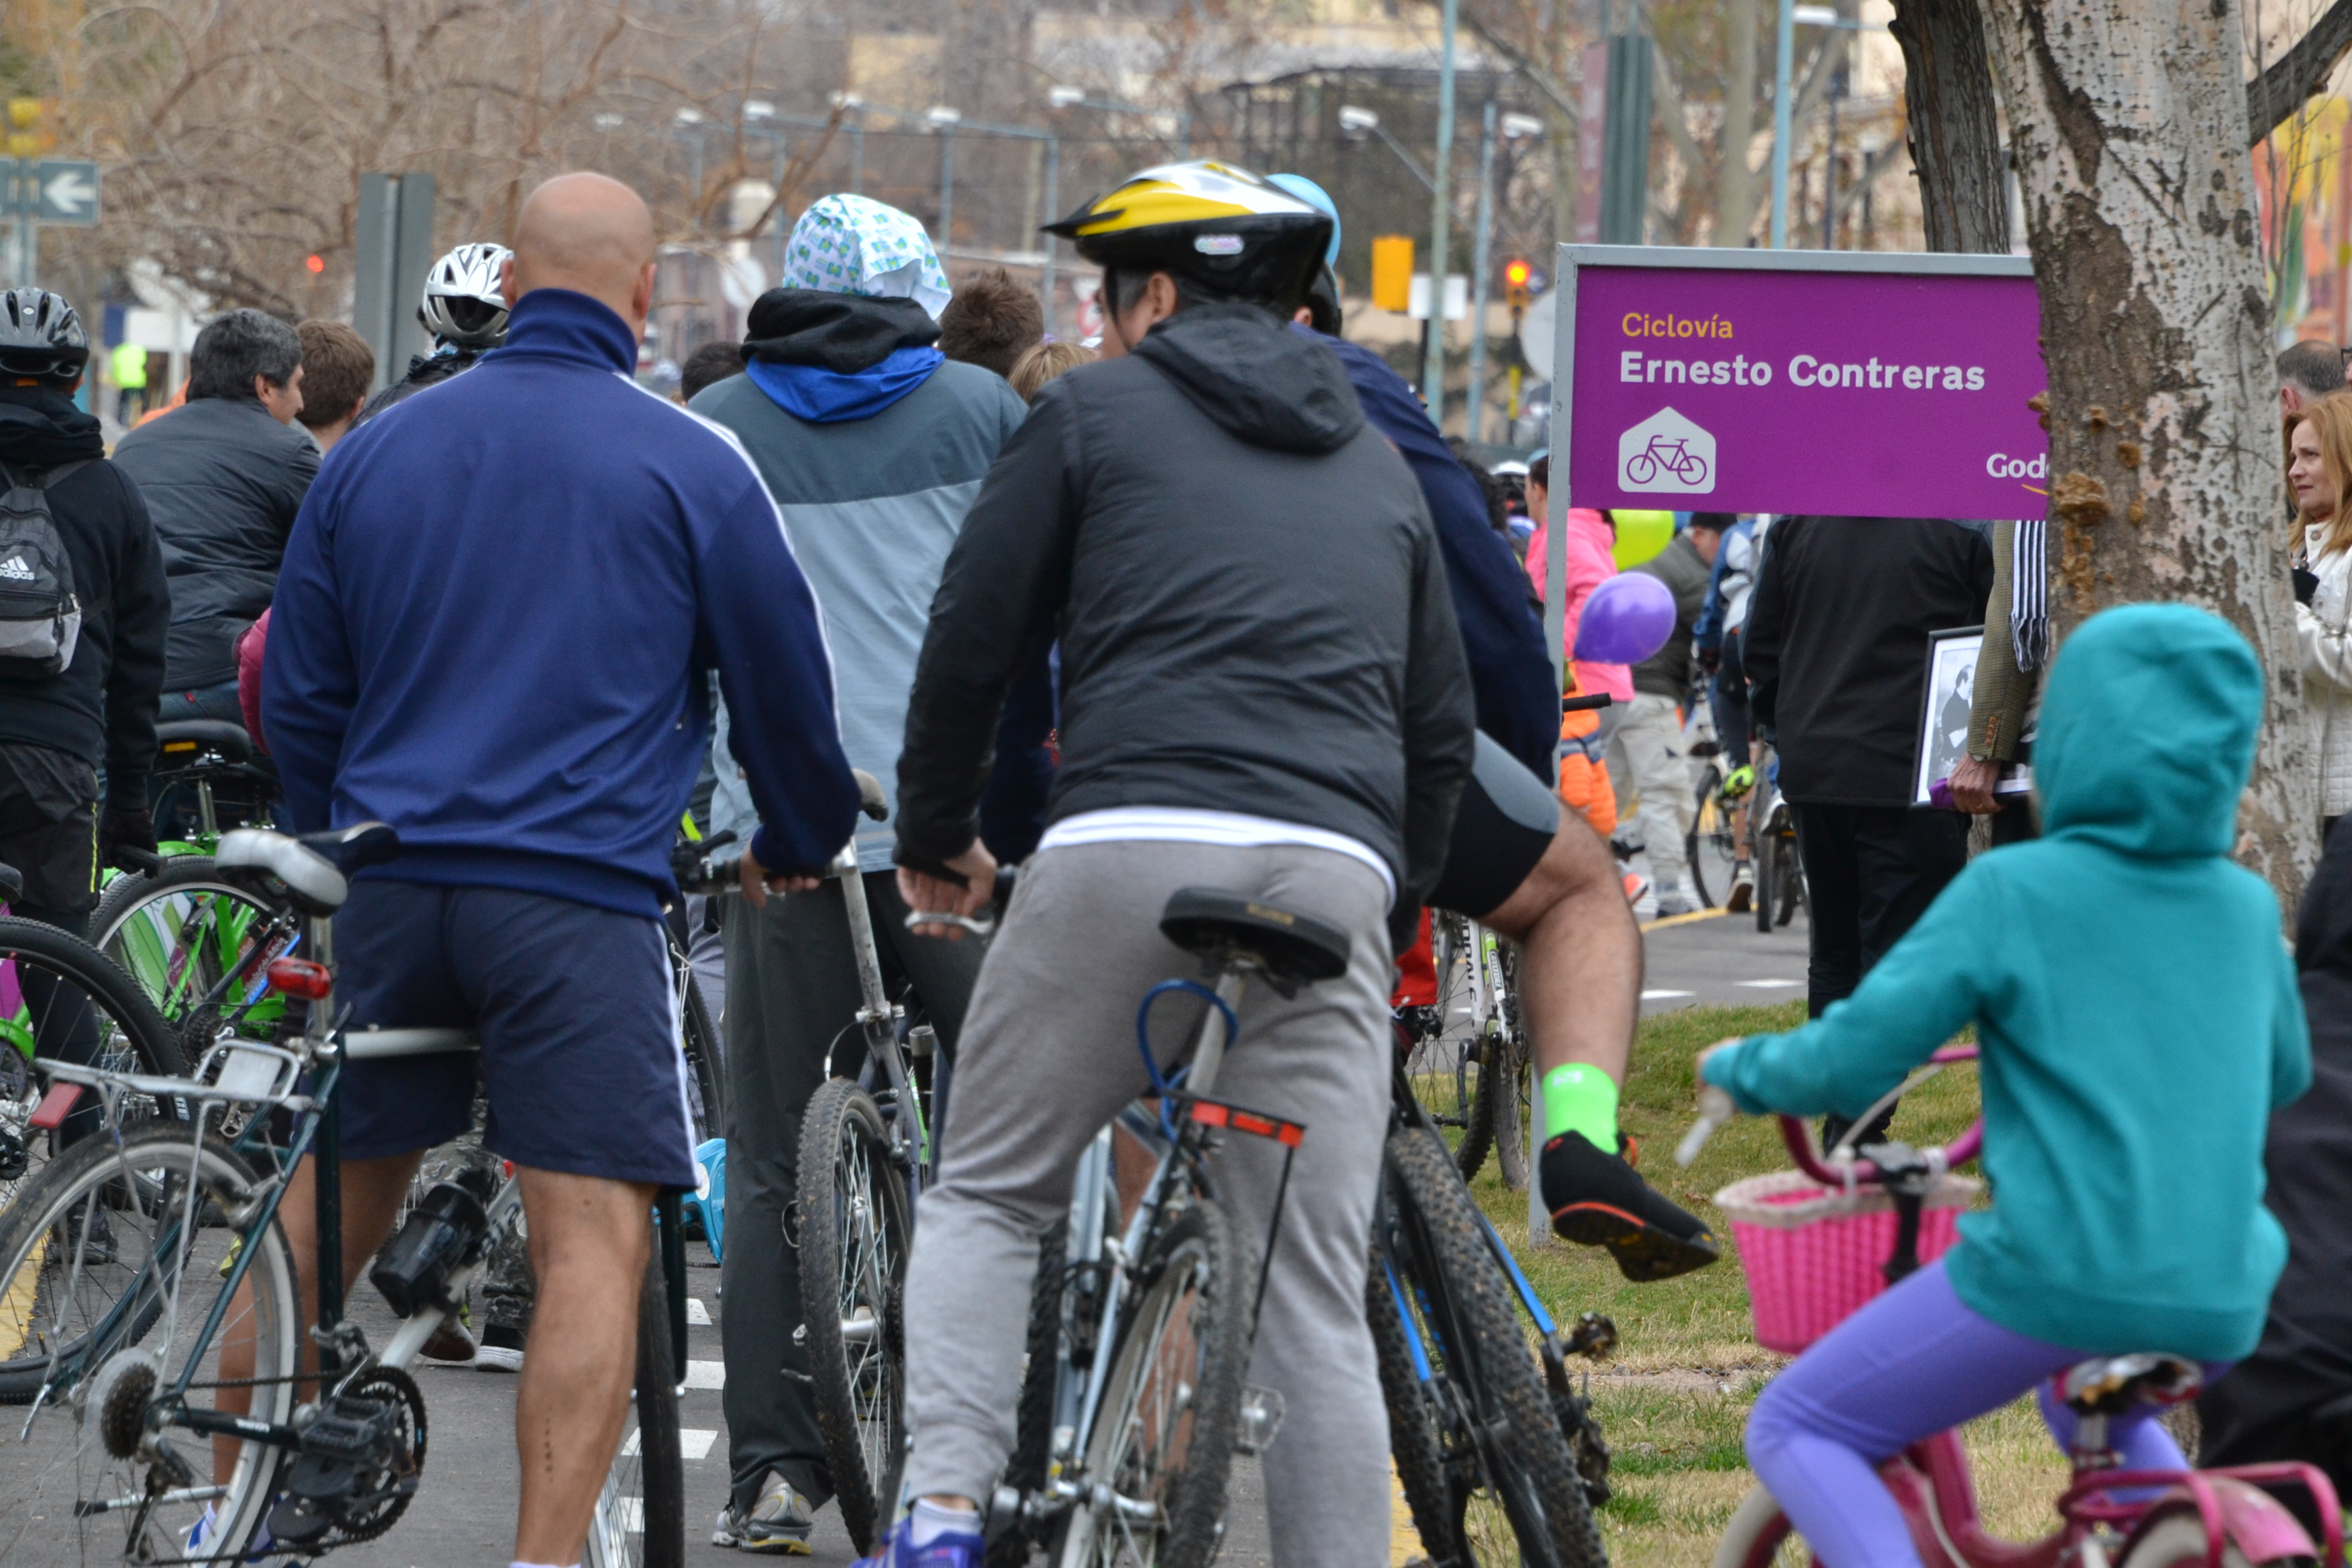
(1600, 1201)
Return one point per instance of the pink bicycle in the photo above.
(1887, 1212)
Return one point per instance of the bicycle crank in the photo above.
(359, 1464)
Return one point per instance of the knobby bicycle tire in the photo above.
(1788, 887)
(1767, 871)
(1198, 1253)
(1513, 1440)
(1452, 1072)
(1414, 1420)
(640, 1517)
(1033, 1419)
(861, 1405)
(37, 1249)
(1478, 1129)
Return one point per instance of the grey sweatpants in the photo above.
(1049, 1057)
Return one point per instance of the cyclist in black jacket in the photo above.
(1263, 691)
(57, 731)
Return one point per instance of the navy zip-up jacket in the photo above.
(495, 617)
(1518, 700)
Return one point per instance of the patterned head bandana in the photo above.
(855, 244)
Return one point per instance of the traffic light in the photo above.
(27, 137)
(1517, 275)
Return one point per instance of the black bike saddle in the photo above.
(182, 740)
(1293, 948)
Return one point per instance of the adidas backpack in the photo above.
(40, 618)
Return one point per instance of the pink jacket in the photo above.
(249, 644)
(1591, 563)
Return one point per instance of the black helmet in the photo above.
(40, 336)
(1323, 298)
(1229, 233)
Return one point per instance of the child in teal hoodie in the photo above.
(2138, 1019)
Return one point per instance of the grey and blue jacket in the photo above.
(873, 444)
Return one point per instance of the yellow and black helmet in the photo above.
(1232, 233)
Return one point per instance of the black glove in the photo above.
(120, 830)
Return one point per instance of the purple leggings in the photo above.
(1911, 1363)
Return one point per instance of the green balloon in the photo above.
(1641, 535)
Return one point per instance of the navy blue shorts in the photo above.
(580, 1056)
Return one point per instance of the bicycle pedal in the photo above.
(1261, 1419)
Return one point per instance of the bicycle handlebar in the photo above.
(1716, 1108)
(1585, 704)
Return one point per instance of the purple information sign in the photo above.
(1851, 384)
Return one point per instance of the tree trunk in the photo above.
(1954, 132)
(2130, 125)
(1734, 209)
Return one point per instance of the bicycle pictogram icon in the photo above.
(1673, 456)
(1666, 453)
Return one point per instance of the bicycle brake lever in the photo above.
(977, 927)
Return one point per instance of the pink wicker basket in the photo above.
(1812, 1253)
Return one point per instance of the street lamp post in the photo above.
(1792, 14)
(944, 120)
(1068, 97)
(1356, 123)
(850, 104)
(1053, 142)
(1433, 372)
(1514, 128)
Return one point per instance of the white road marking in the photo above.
(1767, 984)
(697, 1315)
(1666, 996)
(693, 1442)
(706, 1374)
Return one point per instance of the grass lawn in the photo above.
(1674, 1399)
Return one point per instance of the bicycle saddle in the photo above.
(182, 740)
(315, 868)
(869, 795)
(2109, 1385)
(1293, 949)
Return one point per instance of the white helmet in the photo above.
(462, 303)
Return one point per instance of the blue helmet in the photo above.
(1307, 190)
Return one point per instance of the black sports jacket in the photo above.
(1251, 602)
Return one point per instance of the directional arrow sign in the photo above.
(63, 192)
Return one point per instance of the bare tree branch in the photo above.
(2300, 74)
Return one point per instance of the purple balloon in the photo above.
(1626, 620)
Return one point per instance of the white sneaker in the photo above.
(500, 1350)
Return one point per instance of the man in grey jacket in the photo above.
(874, 447)
(223, 479)
(1647, 753)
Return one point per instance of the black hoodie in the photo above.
(1251, 602)
(101, 707)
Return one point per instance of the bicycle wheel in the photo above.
(1708, 822)
(855, 1228)
(197, 945)
(1513, 1491)
(1768, 870)
(93, 1257)
(1163, 1433)
(1033, 1419)
(698, 1038)
(62, 1000)
(1758, 1537)
(2177, 1540)
(1789, 886)
(1415, 1417)
(1513, 1074)
(640, 1519)
(1447, 1062)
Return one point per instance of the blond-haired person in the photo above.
(2319, 481)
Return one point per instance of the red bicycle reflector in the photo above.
(55, 1106)
(1210, 1113)
(300, 977)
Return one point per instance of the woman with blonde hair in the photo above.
(1041, 362)
(2319, 481)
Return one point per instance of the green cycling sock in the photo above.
(1580, 1098)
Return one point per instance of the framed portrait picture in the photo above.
(1944, 717)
